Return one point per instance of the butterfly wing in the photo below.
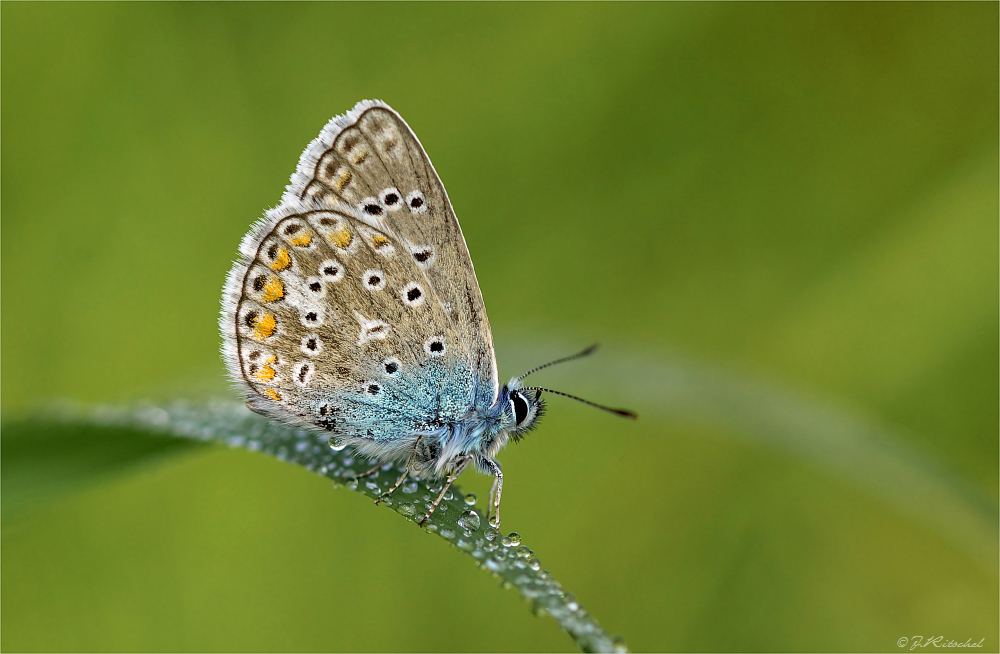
(360, 317)
(371, 160)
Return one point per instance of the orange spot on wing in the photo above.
(378, 240)
(283, 261)
(273, 290)
(341, 237)
(264, 326)
(273, 394)
(265, 374)
(343, 179)
(303, 239)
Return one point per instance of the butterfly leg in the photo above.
(409, 462)
(367, 473)
(385, 495)
(493, 511)
(459, 467)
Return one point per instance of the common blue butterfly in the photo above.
(354, 310)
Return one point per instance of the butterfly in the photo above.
(354, 310)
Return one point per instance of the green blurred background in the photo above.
(796, 201)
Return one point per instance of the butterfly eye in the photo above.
(520, 407)
(416, 202)
(391, 199)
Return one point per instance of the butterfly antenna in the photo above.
(618, 412)
(585, 353)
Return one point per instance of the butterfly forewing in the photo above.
(370, 160)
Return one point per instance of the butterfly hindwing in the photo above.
(336, 327)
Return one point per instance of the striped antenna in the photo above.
(618, 412)
(587, 352)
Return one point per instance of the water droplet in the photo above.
(506, 541)
(430, 526)
(347, 461)
(490, 534)
(469, 520)
(406, 509)
(470, 499)
(618, 645)
(410, 487)
(523, 552)
(442, 507)
(494, 565)
(573, 606)
(436, 488)
(448, 495)
(372, 486)
(386, 467)
(495, 521)
(534, 564)
(515, 538)
(337, 443)
(448, 533)
(301, 446)
(478, 554)
(506, 585)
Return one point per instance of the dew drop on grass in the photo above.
(523, 552)
(448, 533)
(337, 443)
(515, 538)
(469, 521)
(470, 499)
(410, 487)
